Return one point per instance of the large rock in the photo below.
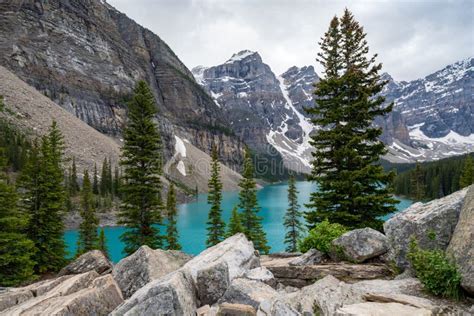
(360, 244)
(329, 294)
(432, 224)
(92, 260)
(81, 294)
(312, 256)
(178, 289)
(212, 283)
(248, 292)
(461, 246)
(261, 274)
(171, 295)
(100, 298)
(145, 265)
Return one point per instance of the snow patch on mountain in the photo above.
(240, 56)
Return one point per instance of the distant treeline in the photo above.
(435, 179)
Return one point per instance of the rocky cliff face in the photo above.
(86, 56)
(264, 110)
(432, 117)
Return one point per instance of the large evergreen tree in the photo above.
(235, 225)
(215, 224)
(353, 188)
(44, 200)
(16, 250)
(467, 174)
(172, 241)
(141, 161)
(248, 203)
(292, 219)
(95, 181)
(88, 237)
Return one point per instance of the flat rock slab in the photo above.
(381, 309)
(299, 276)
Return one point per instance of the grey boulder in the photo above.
(461, 246)
(212, 283)
(311, 257)
(248, 292)
(261, 274)
(431, 224)
(359, 245)
(145, 265)
(92, 260)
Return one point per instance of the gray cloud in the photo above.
(412, 38)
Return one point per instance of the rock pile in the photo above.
(232, 279)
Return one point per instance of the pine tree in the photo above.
(104, 178)
(102, 244)
(141, 162)
(171, 229)
(235, 225)
(44, 201)
(467, 173)
(95, 183)
(353, 188)
(418, 183)
(215, 224)
(88, 228)
(73, 184)
(16, 250)
(292, 219)
(252, 223)
(116, 182)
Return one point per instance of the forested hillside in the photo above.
(432, 180)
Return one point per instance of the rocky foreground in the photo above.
(232, 279)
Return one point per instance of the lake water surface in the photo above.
(192, 218)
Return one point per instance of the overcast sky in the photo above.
(412, 37)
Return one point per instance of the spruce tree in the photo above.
(88, 228)
(172, 241)
(235, 225)
(95, 181)
(102, 244)
(215, 224)
(116, 182)
(72, 183)
(248, 203)
(104, 178)
(292, 219)
(16, 250)
(418, 183)
(44, 201)
(141, 161)
(467, 173)
(353, 188)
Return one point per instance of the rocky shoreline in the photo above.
(231, 278)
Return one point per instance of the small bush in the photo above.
(320, 237)
(436, 272)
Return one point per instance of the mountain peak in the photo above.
(243, 54)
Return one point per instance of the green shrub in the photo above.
(320, 237)
(437, 273)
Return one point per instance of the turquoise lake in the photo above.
(192, 219)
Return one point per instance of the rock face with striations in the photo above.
(55, 46)
(461, 246)
(92, 260)
(431, 224)
(81, 294)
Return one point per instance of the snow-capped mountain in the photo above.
(263, 109)
(433, 117)
(438, 112)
